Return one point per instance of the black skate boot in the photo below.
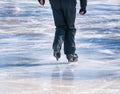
(72, 58)
(57, 54)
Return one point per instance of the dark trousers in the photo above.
(64, 13)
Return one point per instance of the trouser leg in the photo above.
(59, 23)
(69, 8)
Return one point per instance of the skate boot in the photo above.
(72, 58)
(57, 54)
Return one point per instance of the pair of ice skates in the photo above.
(70, 57)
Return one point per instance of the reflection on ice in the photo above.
(26, 61)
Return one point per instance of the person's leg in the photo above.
(69, 7)
(60, 26)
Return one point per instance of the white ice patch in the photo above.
(106, 51)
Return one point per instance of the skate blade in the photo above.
(73, 63)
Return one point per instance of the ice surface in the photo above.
(26, 62)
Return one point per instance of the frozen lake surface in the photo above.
(27, 65)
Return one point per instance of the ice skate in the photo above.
(72, 58)
(57, 54)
